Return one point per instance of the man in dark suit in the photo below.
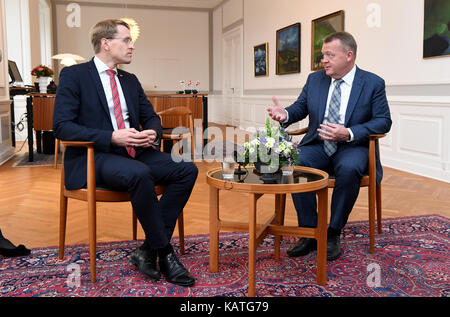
(345, 105)
(97, 102)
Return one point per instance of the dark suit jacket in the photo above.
(367, 111)
(81, 114)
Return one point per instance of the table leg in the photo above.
(252, 246)
(39, 141)
(205, 118)
(213, 229)
(321, 236)
(30, 128)
(280, 206)
(13, 123)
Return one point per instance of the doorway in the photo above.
(232, 75)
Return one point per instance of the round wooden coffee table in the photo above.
(303, 180)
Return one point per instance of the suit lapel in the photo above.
(357, 86)
(126, 92)
(98, 85)
(323, 96)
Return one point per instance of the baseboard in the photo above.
(417, 169)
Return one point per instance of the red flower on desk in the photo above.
(42, 71)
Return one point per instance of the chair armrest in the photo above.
(90, 165)
(78, 143)
(376, 136)
(298, 132)
(373, 142)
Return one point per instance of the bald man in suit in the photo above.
(345, 104)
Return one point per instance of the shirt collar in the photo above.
(101, 67)
(349, 77)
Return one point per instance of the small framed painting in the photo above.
(260, 60)
(321, 28)
(436, 32)
(288, 49)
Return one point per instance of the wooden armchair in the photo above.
(93, 194)
(369, 181)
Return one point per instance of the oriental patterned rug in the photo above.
(411, 259)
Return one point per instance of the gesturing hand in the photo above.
(277, 112)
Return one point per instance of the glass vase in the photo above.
(287, 170)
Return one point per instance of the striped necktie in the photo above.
(333, 115)
(117, 107)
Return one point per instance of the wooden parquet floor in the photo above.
(29, 206)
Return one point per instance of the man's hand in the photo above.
(150, 137)
(277, 112)
(133, 138)
(333, 132)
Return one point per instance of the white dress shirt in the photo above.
(346, 88)
(105, 79)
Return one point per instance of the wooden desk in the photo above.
(16, 91)
(198, 103)
(304, 180)
(39, 118)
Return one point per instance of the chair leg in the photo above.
(62, 225)
(372, 198)
(134, 225)
(92, 227)
(379, 209)
(181, 232)
(177, 144)
(193, 148)
(56, 153)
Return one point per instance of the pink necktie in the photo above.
(117, 108)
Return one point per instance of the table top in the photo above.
(303, 179)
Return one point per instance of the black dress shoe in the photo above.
(302, 247)
(20, 250)
(333, 247)
(174, 271)
(145, 261)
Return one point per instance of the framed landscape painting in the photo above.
(260, 58)
(288, 49)
(436, 34)
(321, 28)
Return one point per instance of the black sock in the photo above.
(145, 245)
(333, 232)
(165, 251)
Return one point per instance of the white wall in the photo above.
(419, 141)
(18, 35)
(173, 45)
(418, 90)
(393, 51)
(233, 11)
(6, 151)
